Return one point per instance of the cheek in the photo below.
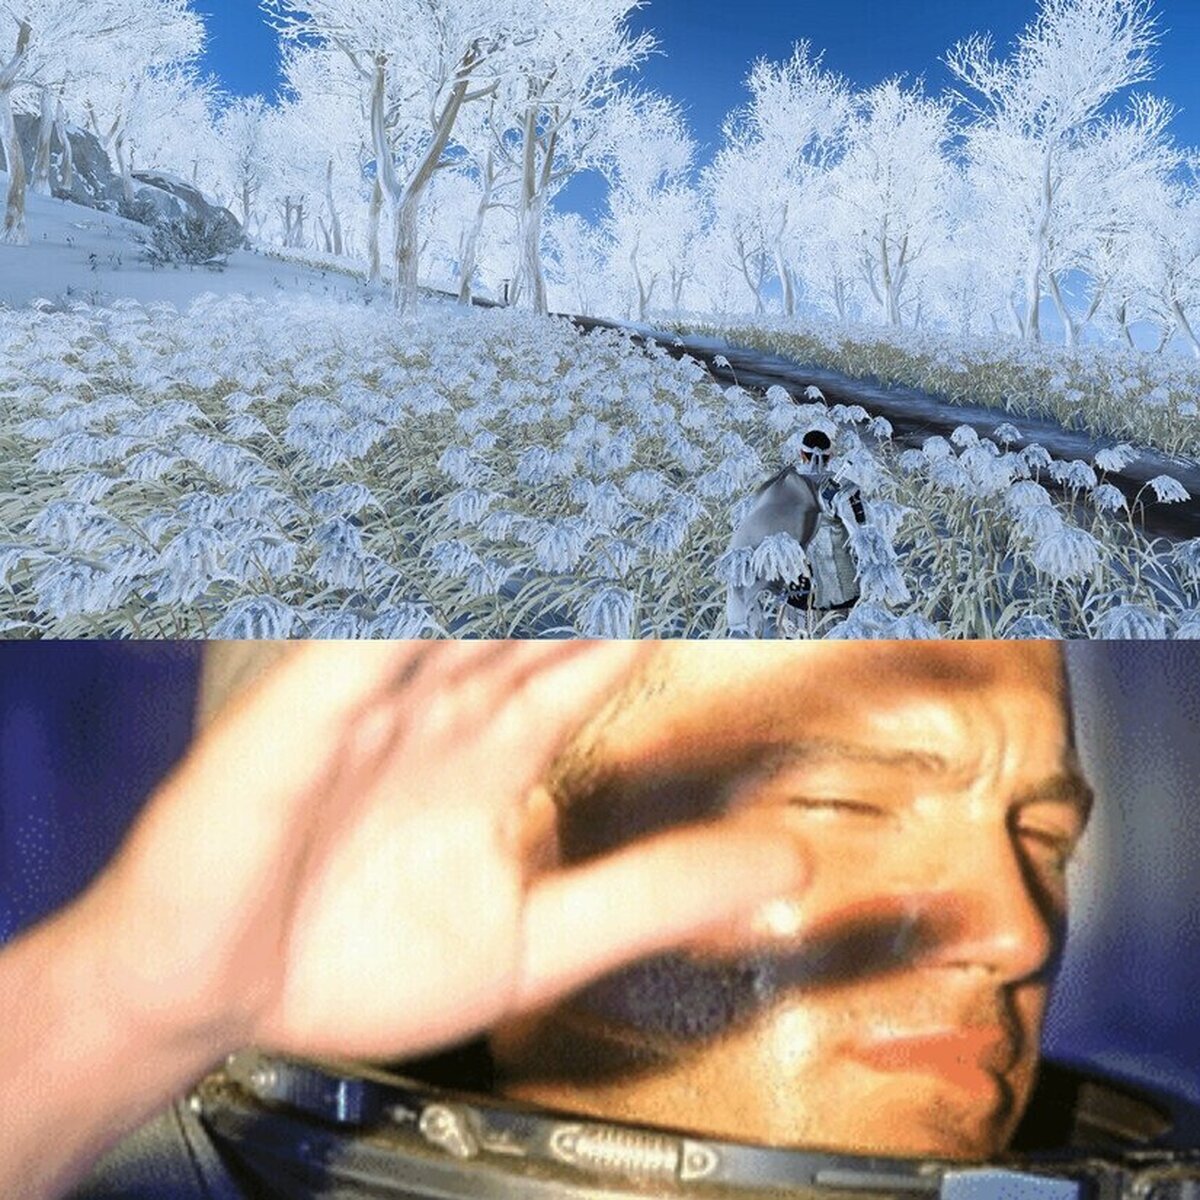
(856, 908)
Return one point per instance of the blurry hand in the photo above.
(347, 862)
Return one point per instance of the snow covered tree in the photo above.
(491, 178)
(11, 74)
(142, 73)
(68, 49)
(647, 157)
(1164, 267)
(293, 181)
(890, 191)
(782, 145)
(575, 262)
(1118, 165)
(169, 124)
(739, 243)
(441, 54)
(242, 136)
(326, 98)
(568, 74)
(1035, 110)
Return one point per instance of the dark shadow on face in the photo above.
(671, 1007)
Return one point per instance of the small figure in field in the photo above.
(814, 506)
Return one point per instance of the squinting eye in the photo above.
(838, 806)
(1059, 847)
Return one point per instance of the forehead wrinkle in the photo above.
(921, 674)
(775, 760)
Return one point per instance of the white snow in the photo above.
(77, 253)
(260, 452)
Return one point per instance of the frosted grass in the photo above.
(303, 468)
(1153, 400)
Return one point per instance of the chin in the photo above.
(921, 1122)
(942, 1132)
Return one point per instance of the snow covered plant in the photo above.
(305, 467)
(1109, 391)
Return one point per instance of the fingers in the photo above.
(549, 698)
(305, 698)
(592, 919)
(499, 713)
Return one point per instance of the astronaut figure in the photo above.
(818, 509)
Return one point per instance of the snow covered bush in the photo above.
(195, 239)
(310, 468)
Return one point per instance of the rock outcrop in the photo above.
(173, 197)
(158, 195)
(94, 183)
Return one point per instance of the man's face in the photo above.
(893, 1007)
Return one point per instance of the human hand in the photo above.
(348, 862)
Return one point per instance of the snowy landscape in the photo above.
(244, 391)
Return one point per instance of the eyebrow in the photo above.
(780, 757)
(1068, 786)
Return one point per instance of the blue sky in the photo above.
(706, 47)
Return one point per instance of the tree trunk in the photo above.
(406, 201)
(14, 233)
(678, 279)
(530, 280)
(1123, 322)
(1032, 326)
(839, 296)
(375, 269)
(466, 266)
(891, 307)
(785, 281)
(41, 162)
(1037, 250)
(123, 166)
(1018, 323)
(1185, 327)
(1070, 325)
(755, 288)
(67, 175)
(246, 205)
(335, 221)
(406, 252)
(643, 292)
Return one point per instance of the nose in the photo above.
(998, 916)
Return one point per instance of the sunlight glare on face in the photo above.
(895, 1004)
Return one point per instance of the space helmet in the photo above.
(295, 1130)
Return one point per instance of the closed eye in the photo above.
(1060, 846)
(836, 805)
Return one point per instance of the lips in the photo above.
(971, 1058)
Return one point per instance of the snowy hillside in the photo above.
(78, 253)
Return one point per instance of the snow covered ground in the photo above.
(271, 451)
(78, 253)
